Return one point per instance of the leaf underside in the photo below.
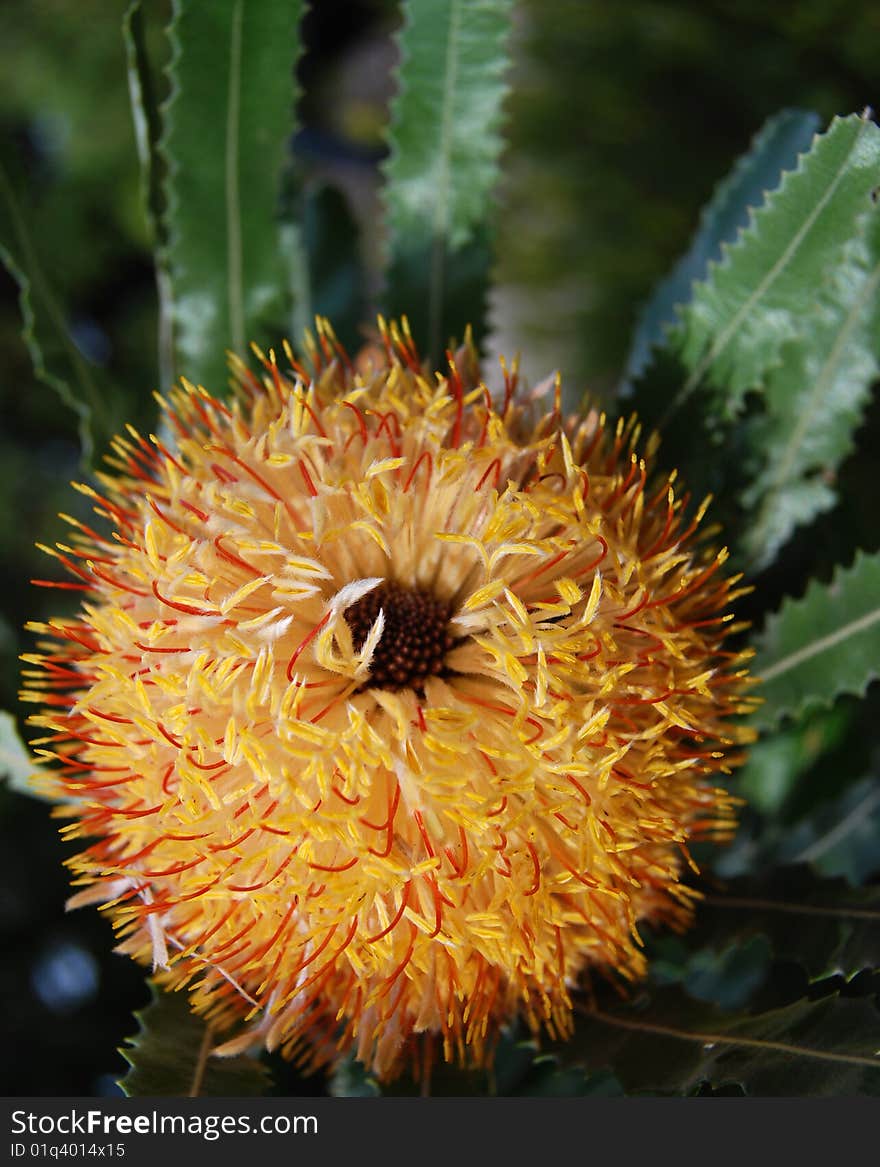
(445, 143)
(228, 126)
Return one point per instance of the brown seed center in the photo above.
(415, 639)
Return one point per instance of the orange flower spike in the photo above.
(393, 713)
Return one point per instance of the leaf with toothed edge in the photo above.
(55, 358)
(170, 1055)
(814, 401)
(147, 132)
(816, 648)
(667, 1043)
(774, 150)
(228, 126)
(445, 145)
(823, 924)
(751, 303)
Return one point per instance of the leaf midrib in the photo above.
(750, 903)
(725, 336)
(823, 644)
(783, 474)
(704, 1039)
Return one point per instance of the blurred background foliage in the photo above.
(620, 121)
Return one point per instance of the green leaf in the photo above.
(723, 970)
(228, 124)
(825, 925)
(777, 761)
(752, 302)
(351, 1079)
(547, 1078)
(814, 402)
(519, 1069)
(171, 1055)
(145, 116)
(845, 836)
(827, 643)
(838, 838)
(774, 150)
(56, 360)
(147, 132)
(666, 1043)
(445, 144)
(336, 273)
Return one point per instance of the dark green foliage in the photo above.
(56, 359)
(441, 175)
(519, 1069)
(668, 1043)
(335, 266)
(757, 356)
(827, 643)
(754, 300)
(227, 128)
(774, 150)
(143, 87)
(822, 924)
(146, 116)
(352, 1080)
(170, 1055)
(814, 400)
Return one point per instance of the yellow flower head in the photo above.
(390, 710)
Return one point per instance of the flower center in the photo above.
(415, 638)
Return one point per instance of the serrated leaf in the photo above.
(751, 303)
(773, 150)
(145, 115)
(147, 132)
(56, 360)
(228, 125)
(825, 925)
(667, 1043)
(170, 1056)
(816, 648)
(814, 401)
(445, 143)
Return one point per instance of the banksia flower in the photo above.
(391, 709)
